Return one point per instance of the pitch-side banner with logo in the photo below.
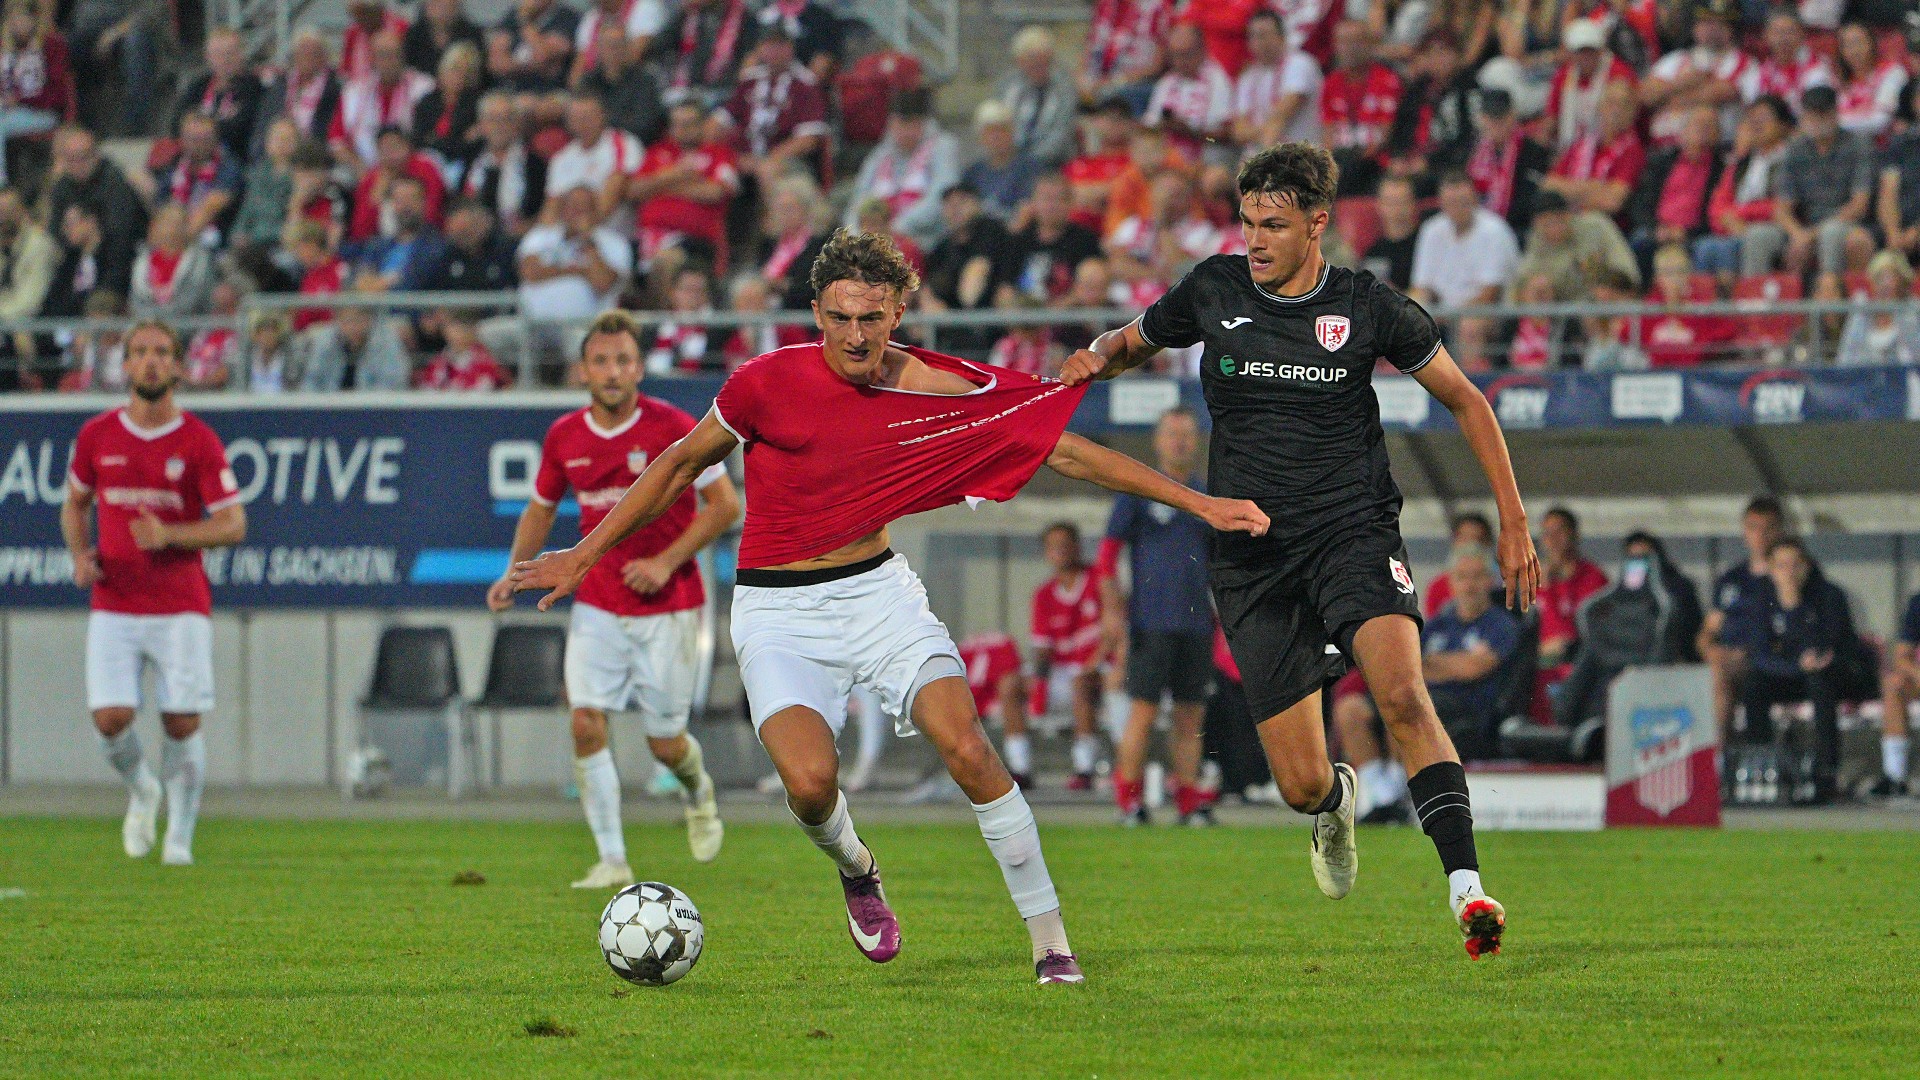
(1662, 748)
(365, 501)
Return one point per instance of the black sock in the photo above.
(1439, 794)
(1334, 795)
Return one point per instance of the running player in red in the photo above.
(842, 437)
(156, 481)
(631, 639)
(1068, 649)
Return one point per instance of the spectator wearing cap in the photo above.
(1789, 67)
(1573, 248)
(531, 49)
(1883, 337)
(1003, 175)
(1821, 190)
(1670, 204)
(1465, 254)
(1390, 257)
(1193, 101)
(1432, 128)
(1573, 101)
(627, 89)
(1357, 105)
(1743, 198)
(1713, 73)
(1506, 164)
(307, 90)
(1123, 52)
(1040, 100)
(914, 163)
(779, 111)
(1869, 87)
(228, 90)
(1276, 96)
(384, 97)
(1600, 169)
(963, 270)
(1899, 201)
(703, 46)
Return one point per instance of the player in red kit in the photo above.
(1068, 649)
(636, 617)
(156, 481)
(842, 437)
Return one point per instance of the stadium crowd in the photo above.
(684, 155)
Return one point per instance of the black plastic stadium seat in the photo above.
(415, 668)
(527, 670)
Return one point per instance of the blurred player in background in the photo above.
(1068, 651)
(156, 479)
(999, 685)
(632, 637)
(1900, 685)
(843, 437)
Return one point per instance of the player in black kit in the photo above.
(1290, 344)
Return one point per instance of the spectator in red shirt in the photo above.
(1669, 205)
(1744, 195)
(321, 272)
(1566, 579)
(1599, 170)
(1091, 175)
(1223, 23)
(1573, 101)
(372, 200)
(683, 187)
(35, 82)
(1357, 106)
(779, 111)
(1471, 529)
(1674, 337)
(465, 364)
(1123, 51)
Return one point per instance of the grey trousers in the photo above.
(1762, 245)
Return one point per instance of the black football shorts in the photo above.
(1290, 617)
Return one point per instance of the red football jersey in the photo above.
(990, 656)
(179, 472)
(677, 213)
(599, 465)
(1066, 624)
(829, 462)
(1356, 111)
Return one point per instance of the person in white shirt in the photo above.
(382, 98)
(1463, 255)
(1714, 73)
(599, 157)
(909, 170)
(1277, 97)
(571, 269)
(1193, 101)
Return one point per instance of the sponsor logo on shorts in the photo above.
(1401, 579)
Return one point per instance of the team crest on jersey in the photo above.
(176, 468)
(636, 461)
(1401, 579)
(1332, 331)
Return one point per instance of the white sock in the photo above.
(1019, 753)
(183, 768)
(1049, 934)
(691, 771)
(836, 837)
(1893, 756)
(1462, 884)
(600, 797)
(123, 753)
(1393, 782)
(1013, 837)
(1115, 707)
(1086, 751)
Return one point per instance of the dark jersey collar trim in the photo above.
(1326, 271)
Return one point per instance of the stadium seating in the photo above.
(412, 720)
(526, 670)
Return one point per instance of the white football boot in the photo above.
(174, 853)
(704, 829)
(1482, 920)
(141, 826)
(1336, 860)
(606, 875)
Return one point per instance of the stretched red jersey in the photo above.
(829, 462)
(179, 472)
(1066, 623)
(989, 656)
(599, 464)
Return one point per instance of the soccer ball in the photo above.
(651, 934)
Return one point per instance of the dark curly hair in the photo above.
(869, 258)
(1296, 172)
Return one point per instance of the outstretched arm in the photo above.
(1083, 460)
(1110, 354)
(1519, 566)
(650, 496)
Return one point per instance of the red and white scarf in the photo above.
(723, 45)
(1492, 168)
(303, 100)
(784, 252)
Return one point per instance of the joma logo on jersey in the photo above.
(1267, 369)
(1332, 331)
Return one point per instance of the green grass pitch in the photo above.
(344, 950)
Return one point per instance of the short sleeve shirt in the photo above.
(1167, 554)
(1494, 630)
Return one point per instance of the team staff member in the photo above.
(156, 480)
(1739, 595)
(1169, 624)
(1289, 349)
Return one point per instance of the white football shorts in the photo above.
(1060, 679)
(644, 662)
(811, 644)
(180, 647)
